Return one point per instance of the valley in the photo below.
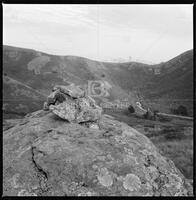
(27, 71)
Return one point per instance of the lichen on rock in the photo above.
(104, 177)
(132, 182)
(24, 192)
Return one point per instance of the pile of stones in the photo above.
(72, 104)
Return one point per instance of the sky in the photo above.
(143, 33)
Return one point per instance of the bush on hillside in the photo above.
(181, 110)
(174, 111)
(131, 109)
(149, 115)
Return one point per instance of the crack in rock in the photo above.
(41, 174)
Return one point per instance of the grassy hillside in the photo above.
(135, 81)
(174, 85)
(19, 99)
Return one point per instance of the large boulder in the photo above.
(43, 155)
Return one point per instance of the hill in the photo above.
(173, 86)
(134, 81)
(19, 99)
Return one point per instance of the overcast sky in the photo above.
(152, 33)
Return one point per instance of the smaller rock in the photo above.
(77, 110)
(55, 97)
(71, 103)
(45, 107)
(149, 114)
(71, 90)
(64, 110)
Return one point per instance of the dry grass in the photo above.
(181, 152)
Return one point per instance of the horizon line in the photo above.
(133, 61)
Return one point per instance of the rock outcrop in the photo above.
(71, 103)
(44, 155)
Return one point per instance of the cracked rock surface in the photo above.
(43, 155)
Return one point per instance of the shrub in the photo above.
(182, 110)
(131, 109)
(174, 111)
(155, 112)
(149, 115)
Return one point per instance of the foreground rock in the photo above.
(43, 155)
